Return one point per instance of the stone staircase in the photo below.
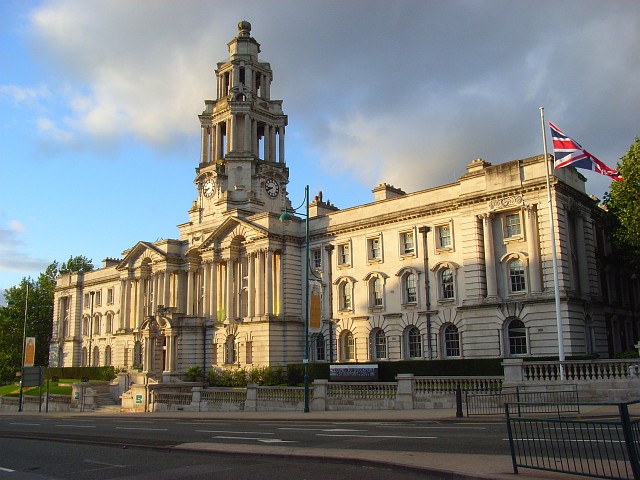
(105, 403)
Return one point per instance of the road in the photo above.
(62, 446)
(416, 436)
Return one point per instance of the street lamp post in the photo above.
(24, 347)
(285, 218)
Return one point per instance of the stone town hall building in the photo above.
(458, 271)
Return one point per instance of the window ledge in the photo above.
(515, 238)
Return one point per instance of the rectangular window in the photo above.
(512, 227)
(374, 249)
(443, 236)
(344, 254)
(110, 296)
(407, 243)
(411, 291)
(249, 352)
(98, 298)
(316, 258)
(87, 301)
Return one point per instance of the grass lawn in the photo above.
(54, 389)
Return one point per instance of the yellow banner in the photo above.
(30, 351)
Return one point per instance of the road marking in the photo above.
(105, 463)
(233, 431)
(370, 436)
(134, 421)
(77, 426)
(263, 440)
(562, 440)
(28, 424)
(6, 470)
(321, 429)
(143, 428)
(433, 428)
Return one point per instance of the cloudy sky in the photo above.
(99, 134)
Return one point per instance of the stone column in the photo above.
(190, 288)
(260, 278)
(255, 148)
(204, 150)
(279, 272)
(218, 150)
(251, 285)
(269, 281)
(229, 135)
(247, 133)
(229, 291)
(272, 144)
(214, 143)
(533, 247)
(267, 142)
(140, 302)
(281, 146)
(166, 299)
(581, 250)
(234, 133)
(206, 287)
(213, 287)
(489, 256)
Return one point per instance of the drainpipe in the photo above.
(424, 230)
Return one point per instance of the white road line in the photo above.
(441, 427)
(370, 436)
(28, 424)
(114, 465)
(263, 440)
(6, 470)
(321, 429)
(233, 431)
(560, 440)
(143, 428)
(77, 426)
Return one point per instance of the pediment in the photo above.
(232, 228)
(141, 250)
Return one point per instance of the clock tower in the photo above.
(242, 166)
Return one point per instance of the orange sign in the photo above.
(315, 311)
(29, 351)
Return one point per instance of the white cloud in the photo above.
(23, 94)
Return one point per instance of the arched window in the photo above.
(409, 288)
(375, 285)
(517, 337)
(96, 324)
(517, 276)
(446, 284)
(107, 356)
(84, 356)
(451, 341)
(96, 357)
(345, 295)
(413, 342)
(318, 347)
(378, 344)
(137, 354)
(109, 325)
(85, 326)
(230, 350)
(348, 346)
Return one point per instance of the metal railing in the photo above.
(597, 447)
(539, 399)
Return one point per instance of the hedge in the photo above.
(92, 373)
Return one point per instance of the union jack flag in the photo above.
(568, 152)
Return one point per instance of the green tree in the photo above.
(39, 315)
(623, 199)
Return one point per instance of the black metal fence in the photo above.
(538, 399)
(602, 447)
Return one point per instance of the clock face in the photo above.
(272, 188)
(208, 188)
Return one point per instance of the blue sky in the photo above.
(99, 134)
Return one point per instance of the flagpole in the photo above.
(556, 287)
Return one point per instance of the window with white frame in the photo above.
(407, 243)
(318, 350)
(344, 291)
(344, 254)
(378, 344)
(348, 346)
(447, 290)
(443, 237)
(98, 298)
(376, 292)
(517, 282)
(517, 337)
(413, 342)
(512, 225)
(316, 258)
(409, 288)
(110, 296)
(451, 341)
(374, 249)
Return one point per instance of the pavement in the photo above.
(443, 466)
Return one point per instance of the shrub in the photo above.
(194, 373)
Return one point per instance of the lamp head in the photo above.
(286, 219)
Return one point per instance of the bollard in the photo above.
(459, 402)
